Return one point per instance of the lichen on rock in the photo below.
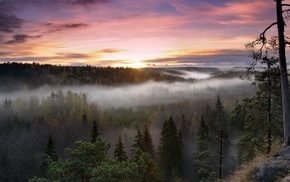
(275, 167)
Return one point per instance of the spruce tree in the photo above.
(148, 143)
(170, 151)
(263, 121)
(95, 131)
(220, 132)
(50, 154)
(119, 152)
(138, 141)
(203, 154)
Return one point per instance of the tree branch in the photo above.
(262, 35)
(285, 5)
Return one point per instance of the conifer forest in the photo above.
(94, 124)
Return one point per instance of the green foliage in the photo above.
(89, 162)
(263, 121)
(170, 149)
(146, 166)
(138, 141)
(148, 143)
(50, 154)
(119, 152)
(203, 154)
(220, 133)
(95, 131)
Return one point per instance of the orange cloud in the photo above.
(109, 50)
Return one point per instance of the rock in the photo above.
(274, 167)
(286, 179)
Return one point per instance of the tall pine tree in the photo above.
(95, 131)
(138, 141)
(170, 151)
(148, 143)
(203, 154)
(220, 132)
(263, 124)
(50, 154)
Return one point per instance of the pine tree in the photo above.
(148, 143)
(138, 141)
(95, 131)
(203, 155)
(170, 151)
(263, 121)
(50, 154)
(220, 131)
(119, 152)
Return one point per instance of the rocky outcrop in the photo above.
(277, 166)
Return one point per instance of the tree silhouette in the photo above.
(203, 155)
(50, 154)
(263, 42)
(148, 143)
(263, 120)
(119, 152)
(138, 141)
(95, 131)
(170, 151)
(220, 131)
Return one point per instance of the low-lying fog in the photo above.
(142, 94)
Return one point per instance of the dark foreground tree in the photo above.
(95, 131)
(50, 154)
(170, 151)
(148, 143)
(138, 141)
(264, 42)
(263, 121)
(203, 154)
(220, 132)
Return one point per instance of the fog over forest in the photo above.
(150, 92)
(120, 110)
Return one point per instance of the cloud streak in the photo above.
(66, 26)
(21, 38)
(8, 23)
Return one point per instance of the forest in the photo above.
(160, 127)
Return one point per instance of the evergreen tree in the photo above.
(95, 131)
(170, 151)
(50, 154)
(148, 143)
(138, 141)
(89, 162)
(119, 152)
(220, 132)
(203, 154)
(263, 123)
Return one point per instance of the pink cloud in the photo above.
(237, 12)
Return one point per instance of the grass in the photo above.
(244, 172)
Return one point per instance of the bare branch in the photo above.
(285, 5)
(263, 33)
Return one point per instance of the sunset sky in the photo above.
(134, 33)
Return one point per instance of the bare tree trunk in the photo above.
(269, 113)
(221, 154)
(283, 72)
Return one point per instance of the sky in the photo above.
(132, 33)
